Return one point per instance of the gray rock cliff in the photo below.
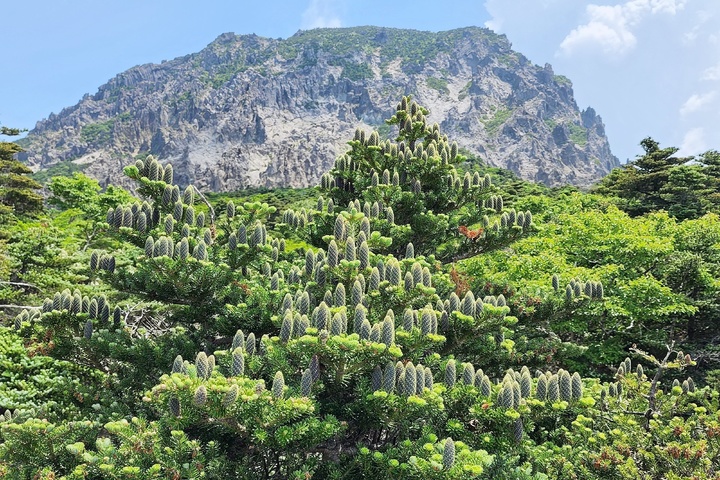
(253, 111)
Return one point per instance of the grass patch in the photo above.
(100, 133)
(562, 80)
(356, 71)
(225, 74)
(492, 125)
(181, 99)
(439, 84)
(413, 47)
(508, 59)
(465, 91)
(287, 51)
(578, 134)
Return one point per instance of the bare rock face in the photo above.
(252, 111)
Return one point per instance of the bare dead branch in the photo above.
(20, 284)
(206, 202)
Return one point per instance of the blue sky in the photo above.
(648, 67)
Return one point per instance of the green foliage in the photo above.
(279, 198)
(101, 136)
(414, 48)
(578, 134)
(38, 256)
(509, 59)
(134, 449)
(499, 117)
(53, 389)
(356, 71)
(638, 262)
(74, 192)
(35, 448)
(17, 189)
(465, 91)
(562, 80)
(658, 180)
(439, 84)
(424, 198)
(99, 133)
(328, 339)
(83, 207)
(424, 458)
(61, 169)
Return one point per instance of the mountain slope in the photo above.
(253, 111)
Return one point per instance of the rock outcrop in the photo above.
(253, 111)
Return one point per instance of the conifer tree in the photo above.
(17, 189)
(343, 360)
(413, 183)
(685, 187)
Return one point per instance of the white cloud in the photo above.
(693, 142)
(690, 37)
(696, 102)
(610, 27)
(670, 71)
(321, 14)
(495, 24)
(666, 6)
(712, 73)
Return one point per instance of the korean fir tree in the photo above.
(412, 189)
(357, 354)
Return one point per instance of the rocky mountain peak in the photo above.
(254, 111)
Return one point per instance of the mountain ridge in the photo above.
(254, 111)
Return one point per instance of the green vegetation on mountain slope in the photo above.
(17, 194)
(418, 315)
